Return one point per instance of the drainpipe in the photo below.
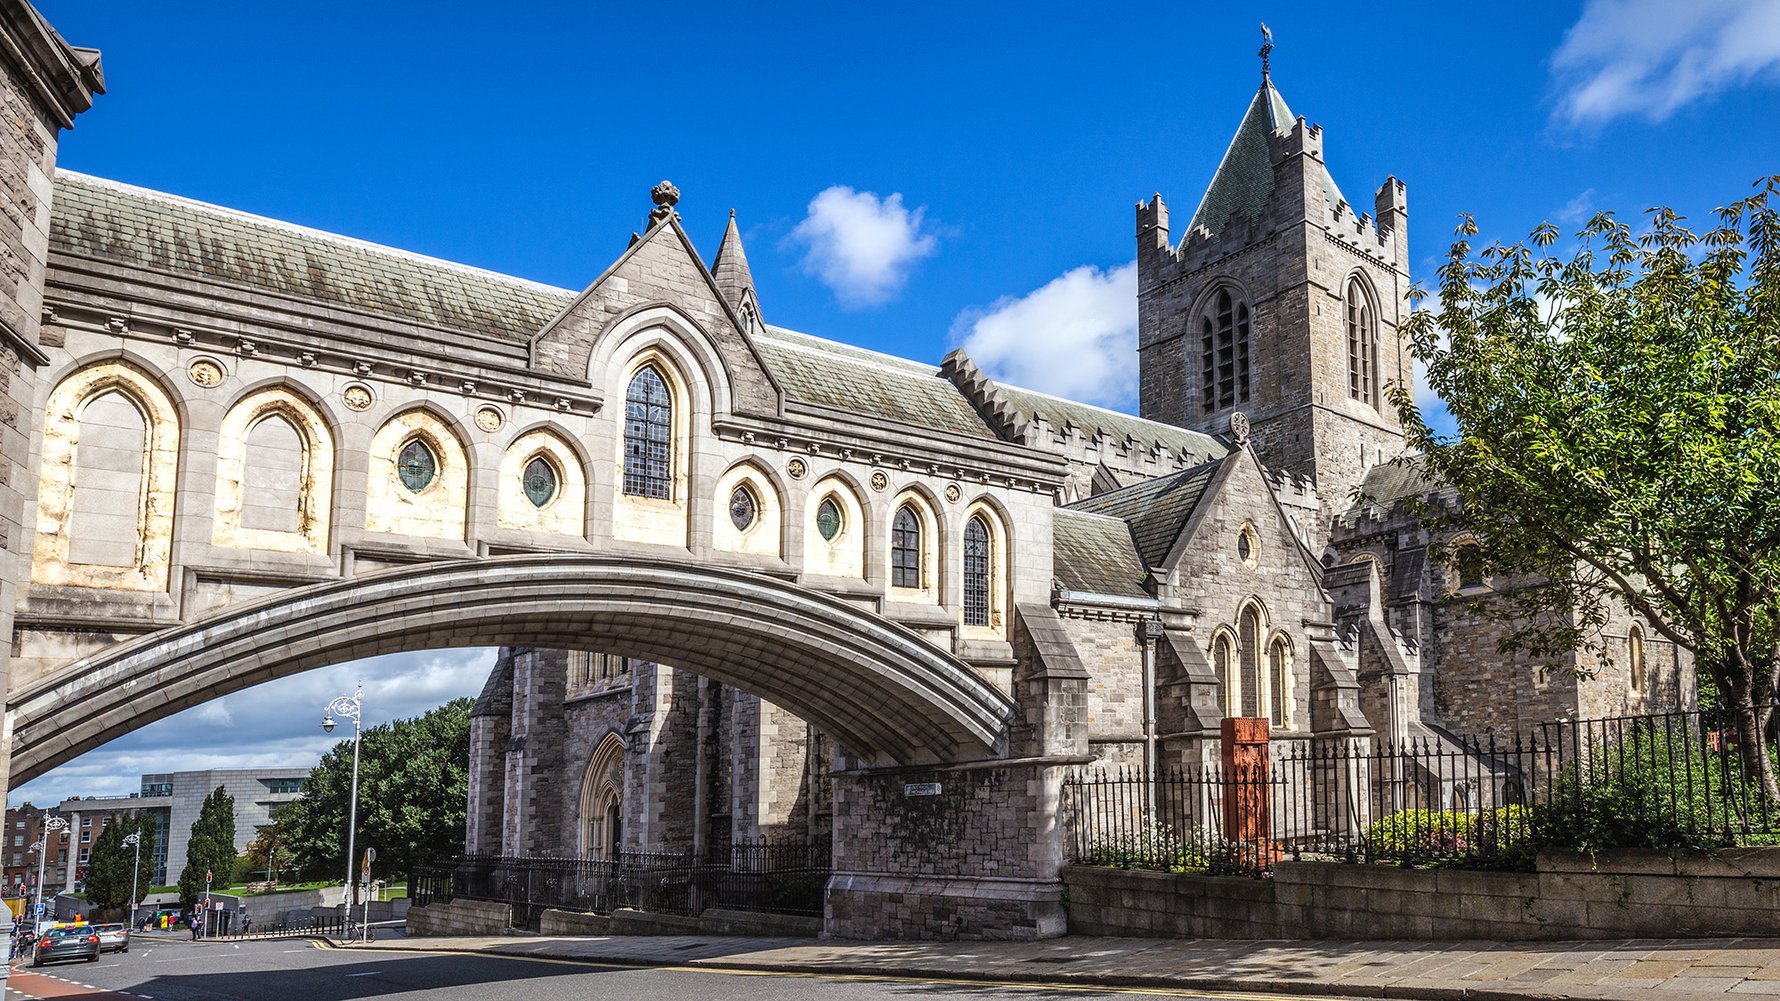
(1148, 632)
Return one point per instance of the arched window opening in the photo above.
(1224, 353)
(648, 436)
(1222, 657)
(1468, 565)
(540, 481)
(744, 508)
(1635, 660)
(417, 465)
(1362, 343)
(905, 549)
(828, 519)
(1278, 666)
(272, 474)
(1251, 661)
(105, 516)
(976, 572)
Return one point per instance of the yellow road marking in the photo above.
(1026, 985)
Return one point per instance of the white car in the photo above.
(113, 937)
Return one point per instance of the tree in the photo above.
(1617, 438)
(211, 848)
(413, 792)
(108, 881)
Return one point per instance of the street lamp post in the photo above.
(135, 872)
(351, 707)
(50, 826)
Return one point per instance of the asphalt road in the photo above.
(174, 969)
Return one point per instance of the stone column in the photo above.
(533, 823)
(491, 727)
(44, 83)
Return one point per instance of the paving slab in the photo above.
(1631, 970)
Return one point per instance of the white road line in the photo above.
(296, 950)
(371, 973)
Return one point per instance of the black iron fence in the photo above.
(1669, 781)
(772, 878)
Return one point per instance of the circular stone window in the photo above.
(1248, 546)
(743, 509)
(539, 481)
(417, 465)
(828, 519)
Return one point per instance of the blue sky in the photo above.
(907, 177)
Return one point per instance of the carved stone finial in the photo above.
(665, 196)
(1239, 428)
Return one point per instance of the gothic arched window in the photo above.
(905, 549)
(1224, 354)
(1251, 660)
(1222, 656)
(1362, 343)
(648, 436)
(539, 481)
(1279, 663)
(976, 572)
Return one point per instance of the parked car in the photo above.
(81, 942)
(113, 937)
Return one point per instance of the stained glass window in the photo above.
(1362, 343)
(828, 519)
(976, 573)
(743, 508)
(648, 436)
(540, 481)
(905, 549)
(1251, 661)
(417, 465)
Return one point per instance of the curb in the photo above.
(1387, 992)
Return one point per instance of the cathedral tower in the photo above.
(1279, 301)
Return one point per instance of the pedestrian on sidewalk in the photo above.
(195, 927)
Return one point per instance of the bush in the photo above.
(1502, 835)
(1150, 846)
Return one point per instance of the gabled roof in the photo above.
(1095, 554)
(1244, 180)
(1156, 510)
(867, 383)
(130, 225)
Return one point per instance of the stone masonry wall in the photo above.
(1622, 895)
(1109, 650)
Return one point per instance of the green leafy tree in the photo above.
(109, 866)
(211, 848)
(1617, 411)
(413, 791)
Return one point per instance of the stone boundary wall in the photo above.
(461, 917)
(1616, 895)
(711, 922)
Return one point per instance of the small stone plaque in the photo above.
(921, 789)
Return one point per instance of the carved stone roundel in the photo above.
(356, 397)
(797, 468)
(489, 419)
(954, 492)
(879, 481)
(205, 372)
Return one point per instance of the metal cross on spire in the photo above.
(1266, 52)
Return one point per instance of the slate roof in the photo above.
(1060, 412)
(1386, 484)
(867, 382)
(1157, 510)
(1095, 554)
(130, 225)
(1244, 180)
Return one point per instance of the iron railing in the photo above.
(765, 877)
(1661, 781)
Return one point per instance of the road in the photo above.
(168, 968)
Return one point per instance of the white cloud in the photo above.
(1076, 337)
(860, 245)
(1577, 209)
(1652, 57)
(274, 725)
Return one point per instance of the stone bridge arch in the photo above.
(881, 690)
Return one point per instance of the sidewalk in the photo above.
(1648, 969)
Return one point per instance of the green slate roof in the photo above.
(1094, 554)
(867, 383)
(1157, 510)
(1120, 426)
(130, 225)
(1244, 180)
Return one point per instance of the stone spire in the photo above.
(730, 268)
